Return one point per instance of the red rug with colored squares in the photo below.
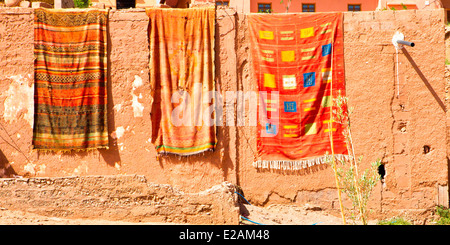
(298, 62)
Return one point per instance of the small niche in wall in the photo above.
(175, 3)
(126, 4)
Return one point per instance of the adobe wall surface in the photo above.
(129, 109)
(394, 130)
(384, 126)
(119, 197)
(403, 123)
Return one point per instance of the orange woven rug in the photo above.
(70, 48)
(298, 62)
(181, 78)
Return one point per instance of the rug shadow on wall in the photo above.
(424, 79)
(111, 155)
(448, 174)
(6, 170)
(220, 156)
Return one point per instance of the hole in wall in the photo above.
(402, 127)
(381, 171)
(426, 149)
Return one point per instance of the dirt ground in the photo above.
(288, 215)
(13, 217)
(278, 214)
(271, 215)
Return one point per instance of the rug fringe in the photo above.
(293, 165)
(168, 153)
(70, 150)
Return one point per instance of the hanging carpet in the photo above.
(70, 68)
(298, 62)
(182, 79)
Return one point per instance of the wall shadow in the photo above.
(220, 157)
(432, 91)
(448, 178)
(424, 79)
(111, 156)
(223, 132)
(6, 170)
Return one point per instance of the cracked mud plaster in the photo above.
(119, 132)
(138, 108)
(19, 99)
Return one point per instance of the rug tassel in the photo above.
(293, 165)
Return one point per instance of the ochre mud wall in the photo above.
(408, 133)
(131, 151)
(403, 124)
(119, 197)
